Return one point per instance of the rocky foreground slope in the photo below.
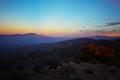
(67, 71)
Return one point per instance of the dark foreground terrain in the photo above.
(77, 59)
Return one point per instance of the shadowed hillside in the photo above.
(67, 60)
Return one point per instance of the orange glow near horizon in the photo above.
(20, 29)
(60, 18)
(52, 33)
(49, 31)
(112, 34)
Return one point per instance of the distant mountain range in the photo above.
(32, 35)
(20, 40)
(20, 36)
(13, 41)
(104, 37)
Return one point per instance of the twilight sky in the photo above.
(76, 18)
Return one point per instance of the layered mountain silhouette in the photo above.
(14, 41)
(21, 40)
(104, 37)
(30, 37)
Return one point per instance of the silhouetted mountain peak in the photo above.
(36, 35)
(31, 34)
(23, 35)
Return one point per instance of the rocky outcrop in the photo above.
(89, 71)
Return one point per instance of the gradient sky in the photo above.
(76, 18)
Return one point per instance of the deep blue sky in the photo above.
(61, 17)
